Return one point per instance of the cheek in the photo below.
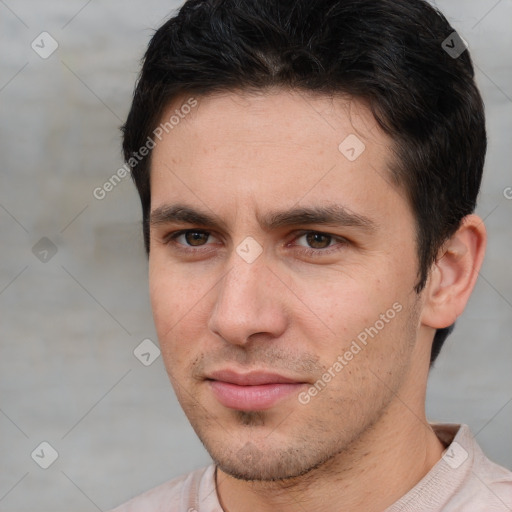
(346, 302)
(367, 319)
(179, 303)
(172, 291)
(367, 367)
(169, 301)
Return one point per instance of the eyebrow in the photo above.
(335, 215)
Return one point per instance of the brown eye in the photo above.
(196, 238)
(315, 244)
(318, 240)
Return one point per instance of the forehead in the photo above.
(282, 112)
(278, 146)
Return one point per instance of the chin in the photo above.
(251, 463)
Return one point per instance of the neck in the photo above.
(385, 462)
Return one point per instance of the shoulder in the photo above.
(463, 480)
(180, 494)
(488, 486)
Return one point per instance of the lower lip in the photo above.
(252, 398)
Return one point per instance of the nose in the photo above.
(249, 302)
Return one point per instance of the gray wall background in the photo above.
(70, 321)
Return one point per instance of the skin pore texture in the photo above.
(240, 159)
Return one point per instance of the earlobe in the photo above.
(454, 274)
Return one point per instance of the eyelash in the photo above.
(308, 251)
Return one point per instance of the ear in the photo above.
(454, 274)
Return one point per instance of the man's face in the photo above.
(286, 337)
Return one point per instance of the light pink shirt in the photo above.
(463, 480)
